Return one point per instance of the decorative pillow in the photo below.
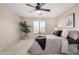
(73, 34)
(65, 33)
(58, 33)
(78, 37)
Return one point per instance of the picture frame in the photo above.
(70, 20)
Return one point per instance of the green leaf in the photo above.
(24, 27)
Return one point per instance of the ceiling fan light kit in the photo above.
(38, 11)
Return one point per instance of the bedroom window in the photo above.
(39, 26)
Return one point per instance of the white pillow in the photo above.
(65, 33)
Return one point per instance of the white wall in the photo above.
(61, 20)
(9, 29)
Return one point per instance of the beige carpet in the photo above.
(20, 48)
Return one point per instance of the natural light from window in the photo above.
(39, 26)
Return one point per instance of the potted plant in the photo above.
(24, 28)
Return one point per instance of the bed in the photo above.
(54, 45)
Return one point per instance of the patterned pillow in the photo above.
(73, 34)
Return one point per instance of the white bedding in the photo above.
(54, 45)
(64, 42)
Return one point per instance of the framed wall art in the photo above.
(70, 20)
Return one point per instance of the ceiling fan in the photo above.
(38, 7)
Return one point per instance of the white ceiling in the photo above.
(24, 10)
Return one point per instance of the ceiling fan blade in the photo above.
(45, 9)
(30, 5)
(42, 4)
